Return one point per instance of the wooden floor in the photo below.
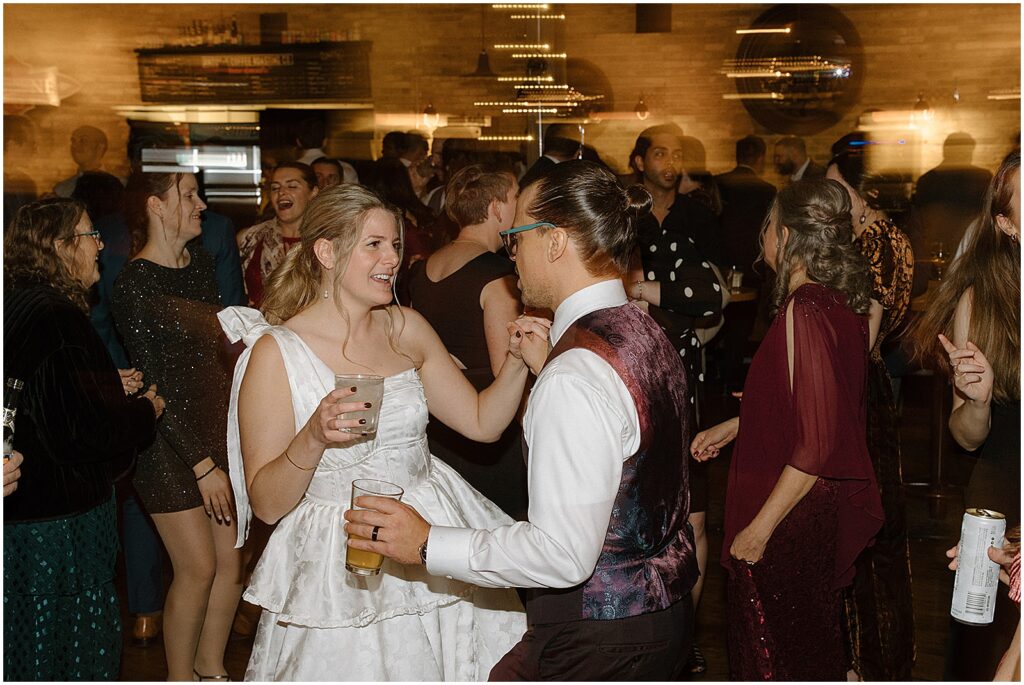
(930, 537)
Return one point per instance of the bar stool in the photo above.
(936, 489)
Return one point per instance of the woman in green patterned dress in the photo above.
(78, 430)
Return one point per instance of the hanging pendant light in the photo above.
(431, 119)
(483, 60)
(641, 110)
(922, 110)
(483, 65)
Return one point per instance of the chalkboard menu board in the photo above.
(267, 73)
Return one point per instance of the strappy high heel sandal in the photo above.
(223, 678)
(698, 664)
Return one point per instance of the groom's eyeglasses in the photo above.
(510, 237)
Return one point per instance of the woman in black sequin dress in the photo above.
(165, 305)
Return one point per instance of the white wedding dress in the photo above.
(321, 622)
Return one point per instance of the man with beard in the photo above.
(791, 160)
(606, 552)
(657, 161)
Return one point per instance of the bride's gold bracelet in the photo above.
(292, 462)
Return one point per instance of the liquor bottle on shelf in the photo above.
(12, 394)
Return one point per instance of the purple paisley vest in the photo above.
(648, 562)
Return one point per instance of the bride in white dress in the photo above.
(291, 463)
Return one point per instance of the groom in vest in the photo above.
(607, 555)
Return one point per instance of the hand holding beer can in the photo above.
(977, 576)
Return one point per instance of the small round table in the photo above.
(744, 294)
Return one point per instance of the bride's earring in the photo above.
(325, 294)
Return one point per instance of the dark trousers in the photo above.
(740, 318)
(653, 646)
(143, 558)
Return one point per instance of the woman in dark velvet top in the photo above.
(165, 307)
(801, 501)
(78, 431)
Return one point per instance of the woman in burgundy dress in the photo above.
(801, 501)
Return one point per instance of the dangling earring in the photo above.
(1014, 237)
(863, 218)
(325, 294)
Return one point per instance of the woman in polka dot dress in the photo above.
(679, 286)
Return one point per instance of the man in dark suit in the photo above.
(791, 160)
(746, 199)
(562, 142)
(949, 197)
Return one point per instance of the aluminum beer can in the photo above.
(977, 576)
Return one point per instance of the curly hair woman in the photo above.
(801, 501)
(78, 431)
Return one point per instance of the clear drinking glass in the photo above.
(735, 280)
(359, 561)
(369, 388)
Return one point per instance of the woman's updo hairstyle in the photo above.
(599, 214)
(817, 214)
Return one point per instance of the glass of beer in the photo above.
(369, 388)
(735, 280)
(356, 560)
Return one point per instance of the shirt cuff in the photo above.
(448, 551)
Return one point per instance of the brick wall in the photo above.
(421, 51)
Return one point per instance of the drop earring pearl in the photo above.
(325, 294)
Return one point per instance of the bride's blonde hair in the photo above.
(336, 214)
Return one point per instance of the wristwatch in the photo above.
(423, 551)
